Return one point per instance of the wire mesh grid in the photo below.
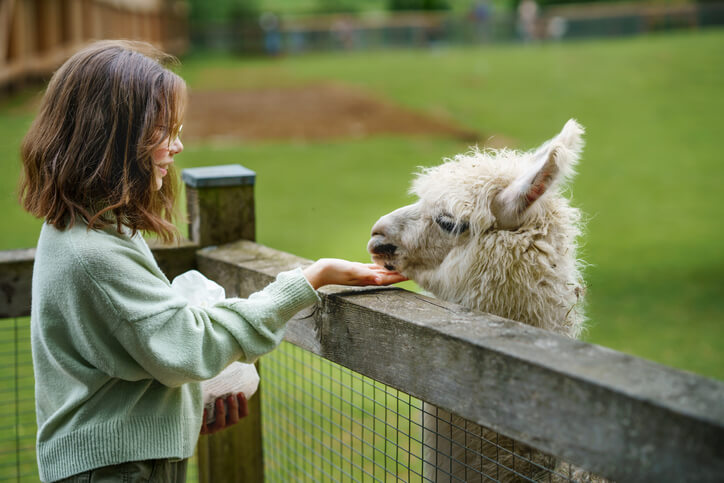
(324, 422)
(18, 427)
(17, 406)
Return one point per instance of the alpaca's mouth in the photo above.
(383, 249)
(384, 261)
(382, 252)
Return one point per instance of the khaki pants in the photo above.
(150, 471)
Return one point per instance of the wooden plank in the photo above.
(48, 33)
(7, 13)
(16, 272)
(176, 258)
(614, 414)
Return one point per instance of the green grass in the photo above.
(649, 178)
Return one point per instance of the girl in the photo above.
(117, 355)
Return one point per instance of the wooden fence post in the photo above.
(220, 202)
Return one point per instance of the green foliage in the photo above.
(221, 10)
(418, 4)
(327, 6)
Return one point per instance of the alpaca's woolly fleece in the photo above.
(529, 273)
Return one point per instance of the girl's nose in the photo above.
(176, 147)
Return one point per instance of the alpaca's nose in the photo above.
(378, 244)
(379, 229)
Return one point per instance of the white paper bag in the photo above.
(197, 289)
(237, 377)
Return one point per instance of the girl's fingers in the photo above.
(228, 414)
(243, 405)
(204, 428)
(220, 421)
(386, 277)
(233, 410)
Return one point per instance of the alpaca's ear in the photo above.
(571, 139)
(553, 161)
(510, 204)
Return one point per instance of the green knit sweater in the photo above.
(118, 356)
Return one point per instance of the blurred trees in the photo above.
(418, 4)
(221, 10)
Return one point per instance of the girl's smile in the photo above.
(163, 157)
(162, 170)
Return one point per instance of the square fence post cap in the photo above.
(216, 176)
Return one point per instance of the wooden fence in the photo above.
(614, 414)
(36, 36)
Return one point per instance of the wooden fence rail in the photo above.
(617, 415)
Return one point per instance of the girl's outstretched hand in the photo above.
(333, 271)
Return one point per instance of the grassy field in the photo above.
(648, 180)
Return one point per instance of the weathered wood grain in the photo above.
(617, 415)
(176, 258)
(220, 214)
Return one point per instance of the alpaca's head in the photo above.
(492, 231)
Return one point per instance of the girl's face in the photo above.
(163, 157)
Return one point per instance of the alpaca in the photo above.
(492, 232)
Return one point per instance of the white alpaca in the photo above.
(491, 231)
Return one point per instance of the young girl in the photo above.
(118, 356)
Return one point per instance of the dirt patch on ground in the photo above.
(312, 112)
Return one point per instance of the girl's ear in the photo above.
(553, 161)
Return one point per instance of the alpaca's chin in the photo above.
(384, 262)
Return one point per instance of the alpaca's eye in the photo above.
(450, 225)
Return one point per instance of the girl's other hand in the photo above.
(333, 271)
(227, 414)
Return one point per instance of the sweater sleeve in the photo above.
(165, 338)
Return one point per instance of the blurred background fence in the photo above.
(36, 36)
(273, 34)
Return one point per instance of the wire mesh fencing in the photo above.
(321, 422)
(18, 426)
(17, 406)
(324, 422)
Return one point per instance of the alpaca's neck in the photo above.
(553, 304)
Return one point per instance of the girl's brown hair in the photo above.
(88, 152)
